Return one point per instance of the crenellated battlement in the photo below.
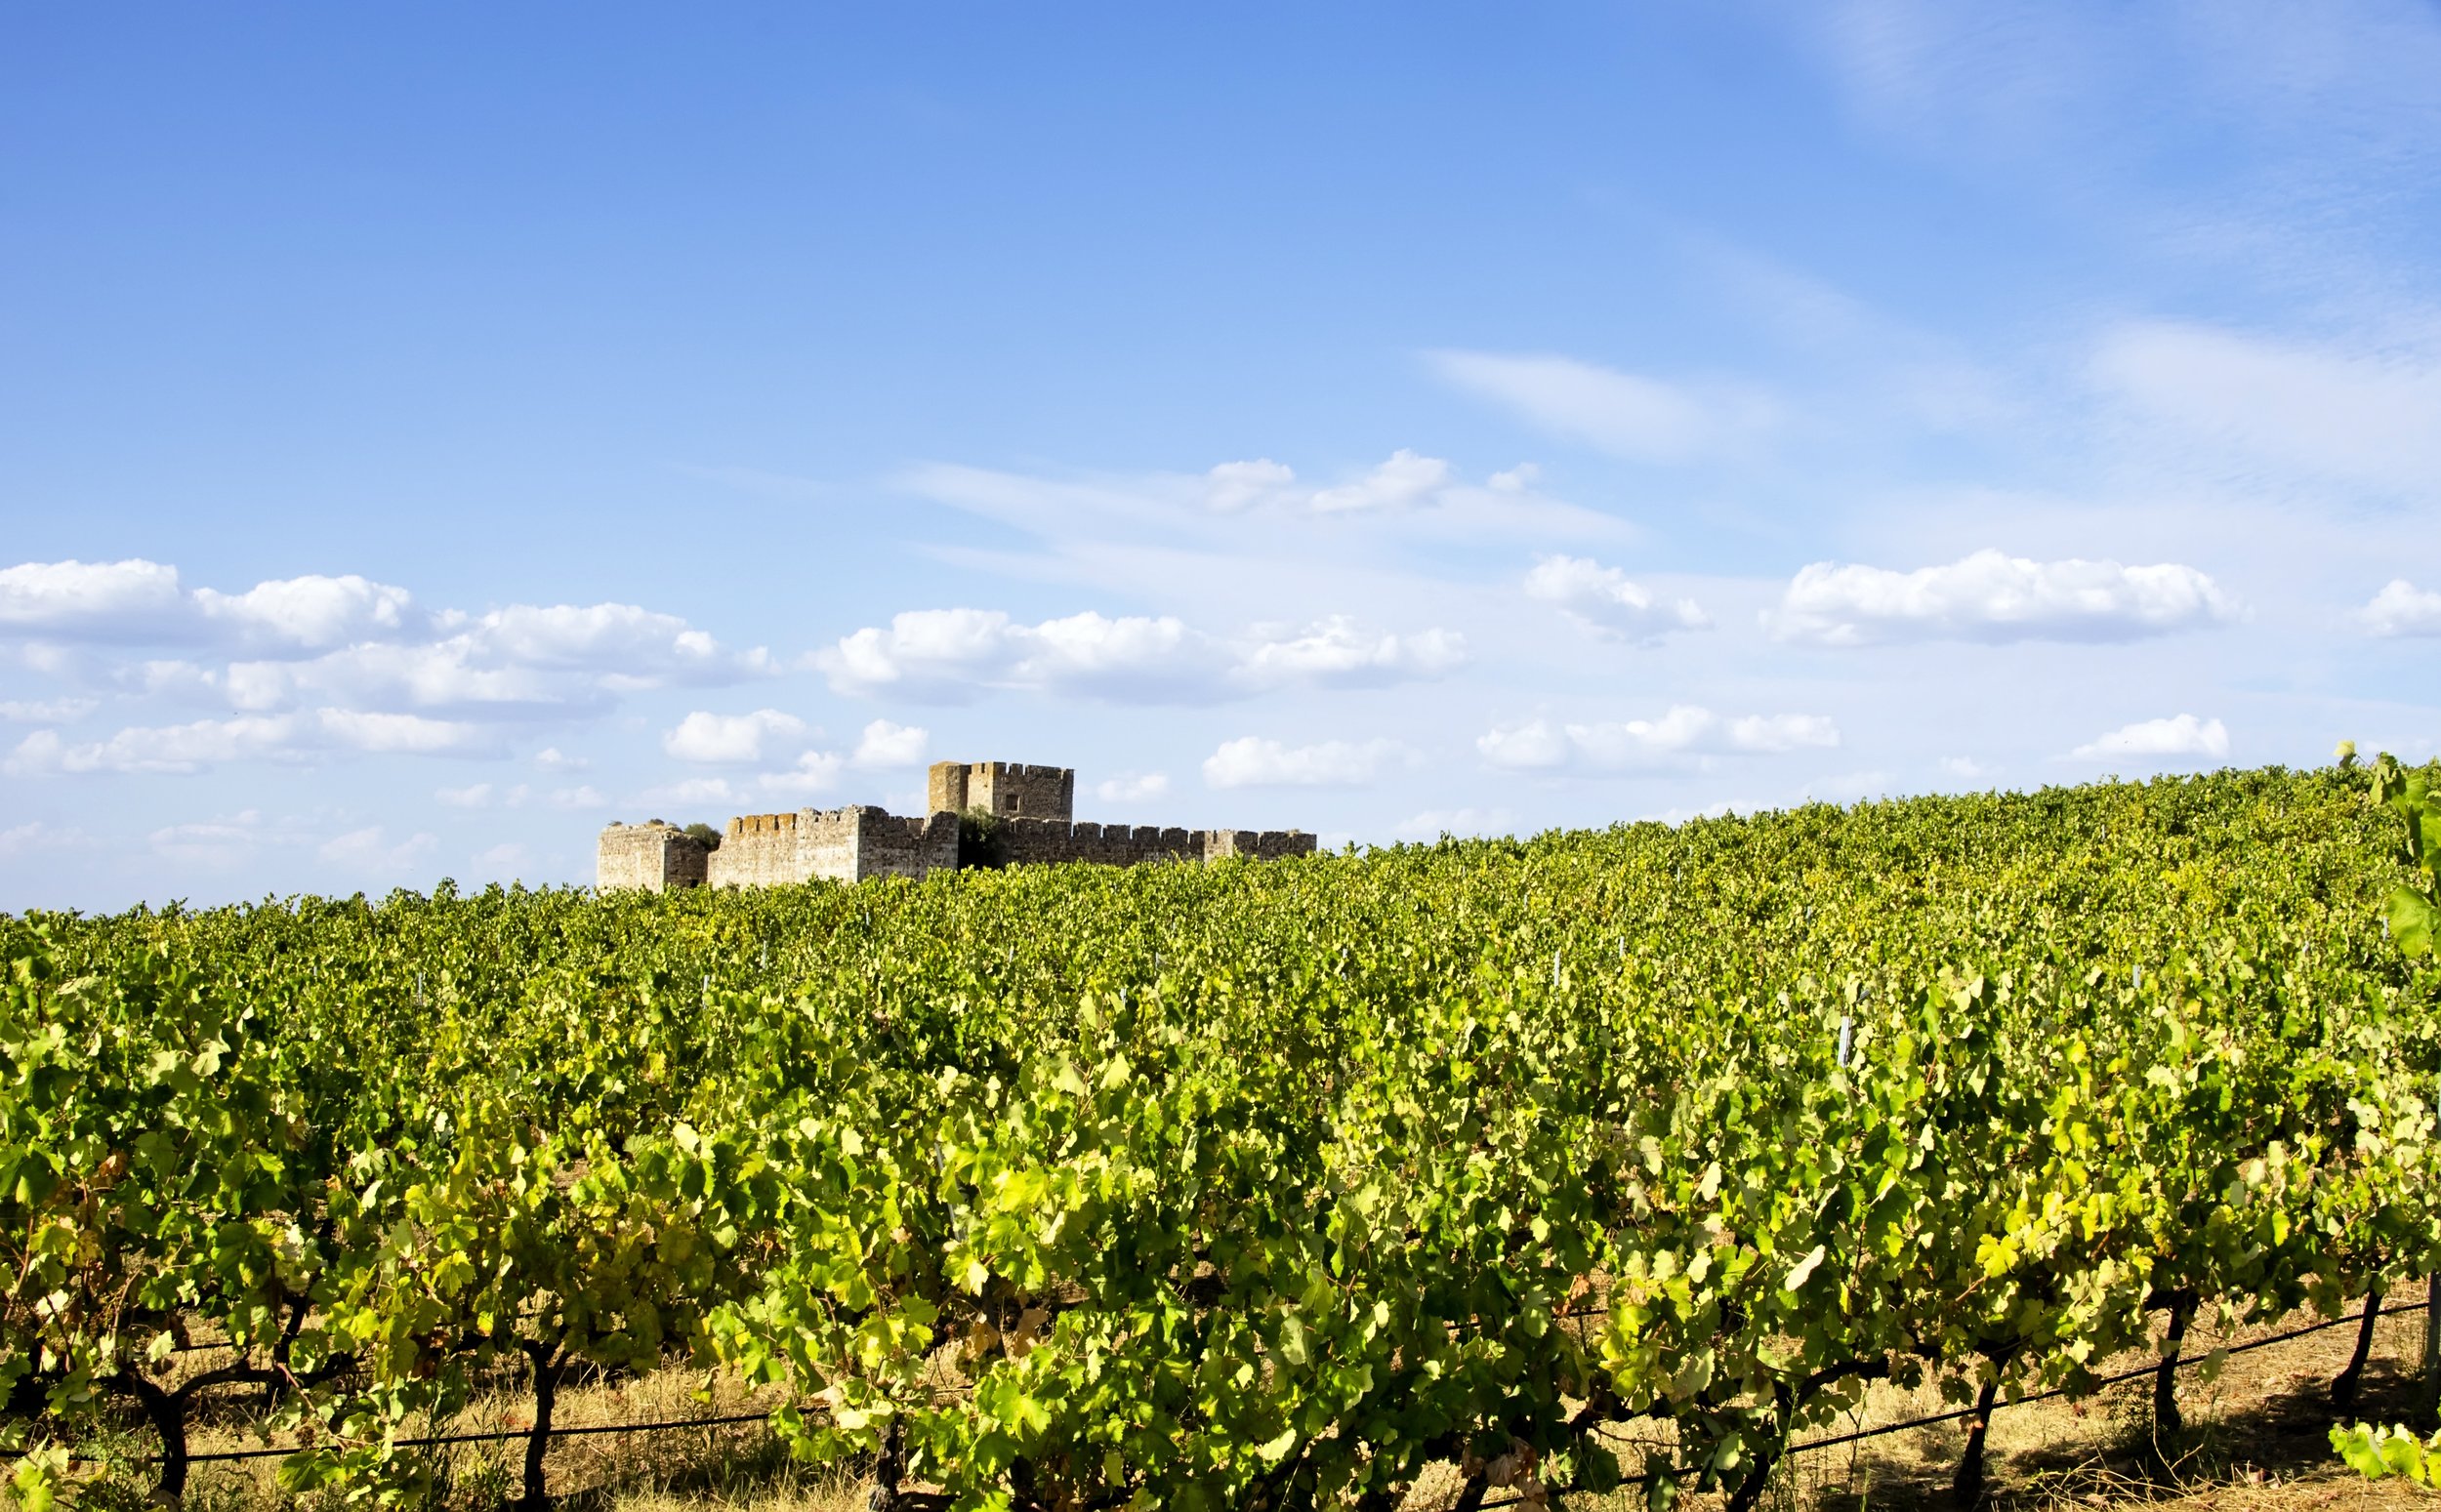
(1007, 789)
(1034, 805)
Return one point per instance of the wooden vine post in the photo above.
(2433, 1343)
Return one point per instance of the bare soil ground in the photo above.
(2255, 1440)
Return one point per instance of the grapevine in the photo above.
(1245, 1185)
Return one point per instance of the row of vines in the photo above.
(1242, 1185)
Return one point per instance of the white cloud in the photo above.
(1133, 788)
(187, 681)
(310, 611)
(1406, 480)
(1337, 652)
(224, 841)
(361, 730)
(35, 838)
(506, 859)
(176, 747)
(2402, 609)
(1254, 761)
(1602, 602)
(2369, 418)
(632, 646)
(1516, 480)
(737, 740)
(887, 745)
(1644, 419)
(1433, 823)
(552, 760)
(350, 642)
(1684, 732)
(1536, 745)
(473, 796)
(1237, 485)
(522, 661)
(694, 790)
(2183, 735)
(1131, 659)
(1965, 767)
(386, 675)
(138, 600)
(954, 655)
(369, 852)
(53, 711)
(815, 771)
(1990, 596)
(118, 600)
(202, 742)
(926, 654)
(951, 655)
(578, 797)
(1771, 733)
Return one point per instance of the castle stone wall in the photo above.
(844, 845)
(757, 850)
(1034, 804)
(945, 787)
(1009, 789)
(894, 845)
(1258, 845)
(653, 857)
(1049, 843)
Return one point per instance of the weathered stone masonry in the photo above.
(654, 856)
(1033, 804)
(1003, 788)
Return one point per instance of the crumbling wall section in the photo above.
(757, 850)
(887, 844)
(844, 845)
(654, 856)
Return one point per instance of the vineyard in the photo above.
(1245, 1185)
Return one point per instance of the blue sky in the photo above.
(425, 436)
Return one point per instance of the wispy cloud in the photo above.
(2371, 419)
(1627, 413)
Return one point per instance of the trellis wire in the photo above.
(734, 1418)
(2140, 1371)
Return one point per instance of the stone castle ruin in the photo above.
(1028, 812)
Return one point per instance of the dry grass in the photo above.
(2256, 1441)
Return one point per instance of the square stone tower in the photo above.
(1004, 789)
